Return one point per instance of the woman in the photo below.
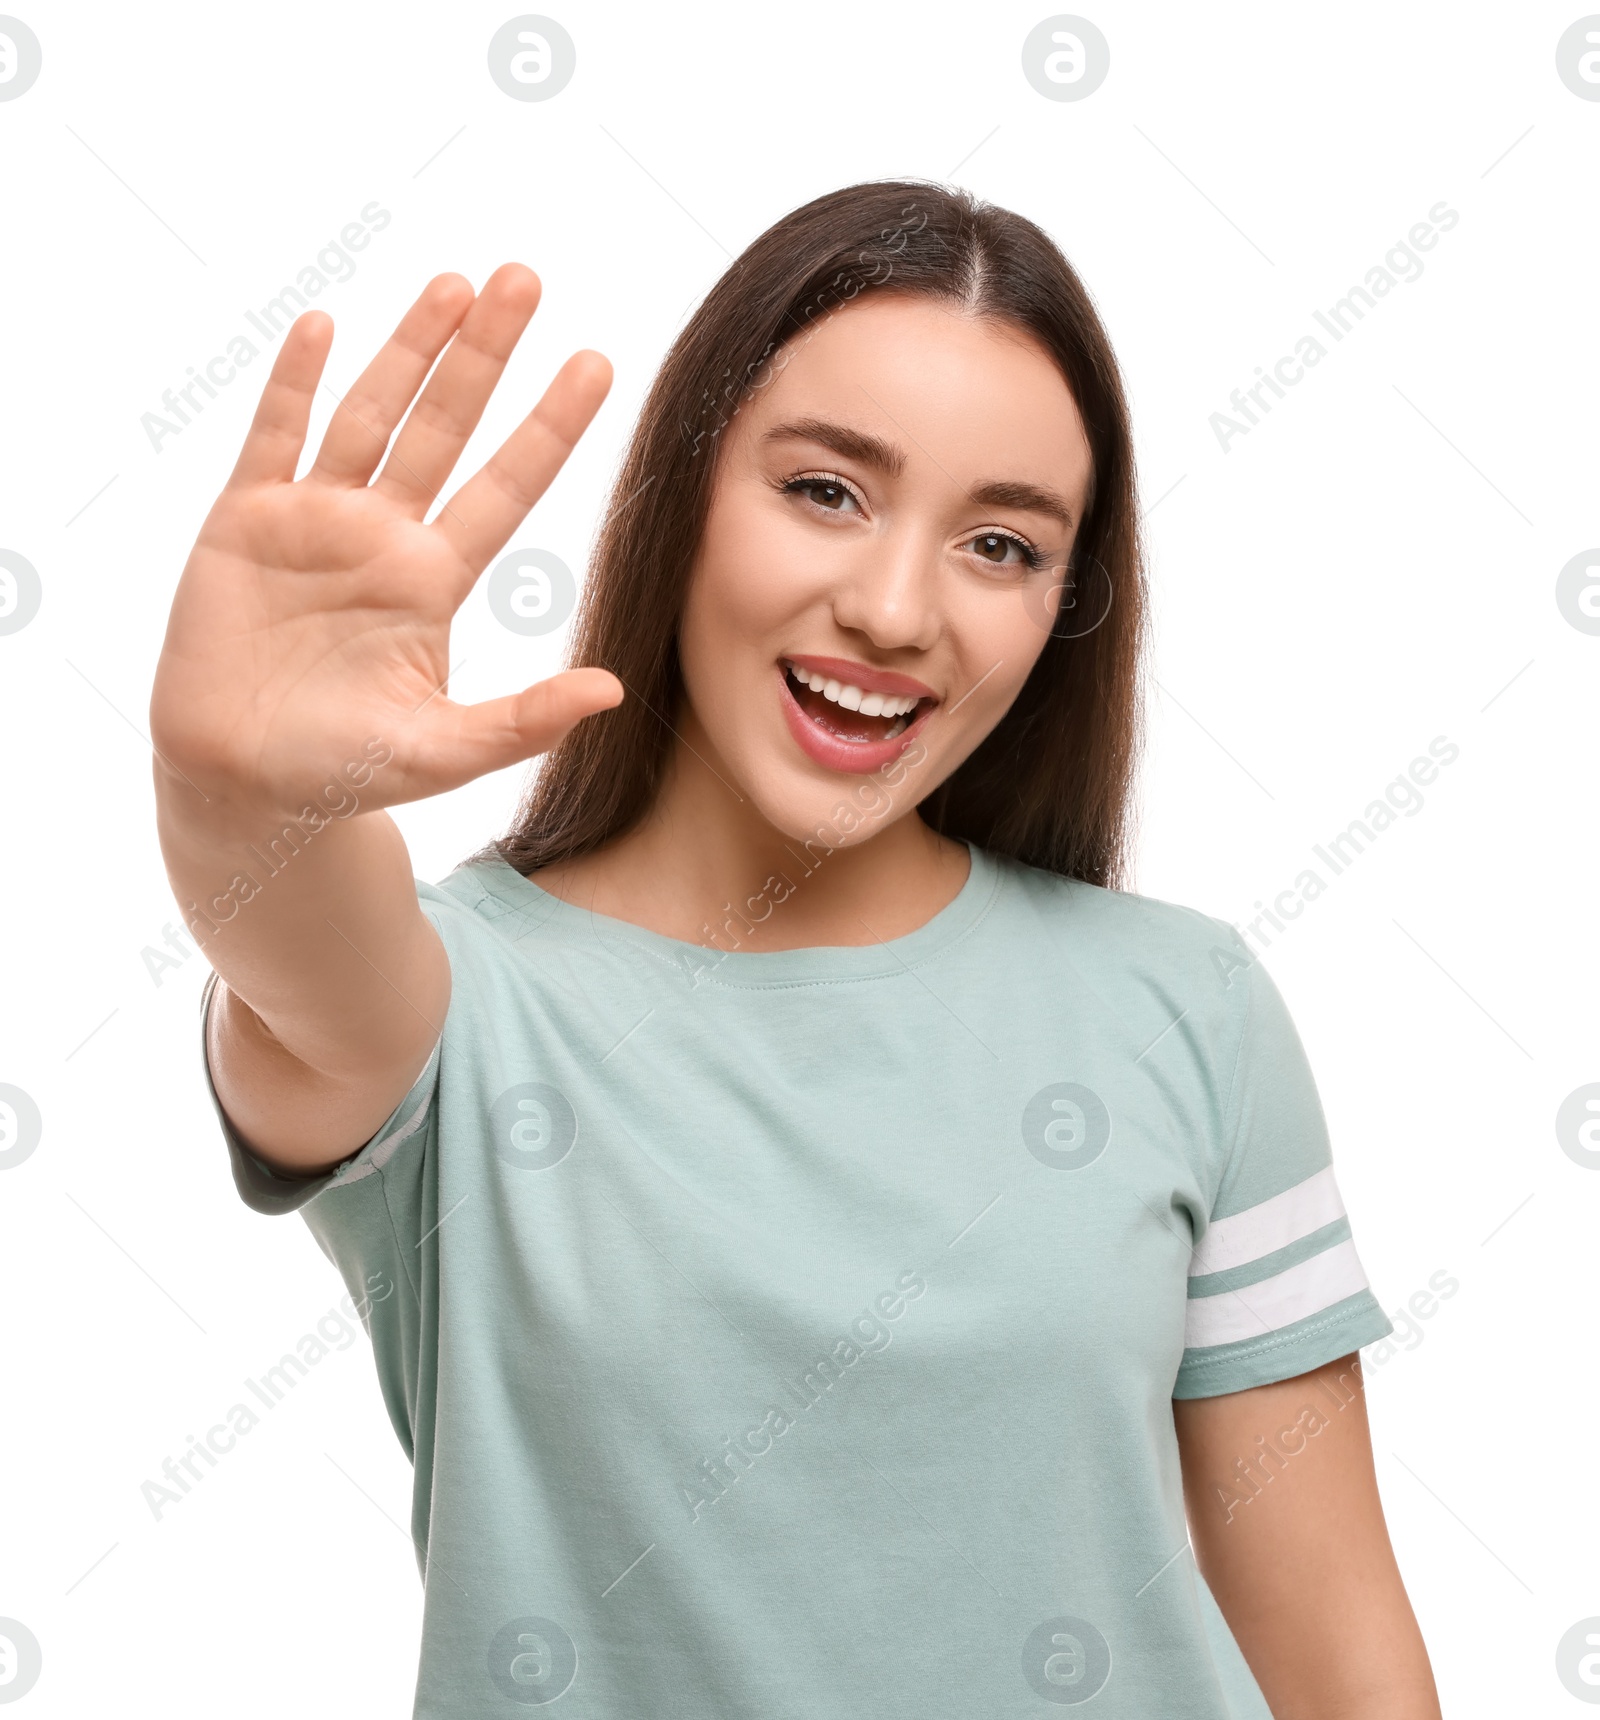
(816, 1230)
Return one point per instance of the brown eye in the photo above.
(825, 492)
(995, 547)
(992, 547)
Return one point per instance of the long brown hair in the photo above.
(1051, 785)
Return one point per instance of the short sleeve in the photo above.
(268, 1191)
(1275, 1285)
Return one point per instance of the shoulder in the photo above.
(1166, 973)
(1124, 931)
(482, 890)
(483, 910)
(509, 941)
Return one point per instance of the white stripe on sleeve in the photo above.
(1273, 1224)
(1275, 1302)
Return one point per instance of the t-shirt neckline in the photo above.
(808, 965)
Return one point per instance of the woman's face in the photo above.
(881, 560)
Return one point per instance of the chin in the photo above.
(842, 813)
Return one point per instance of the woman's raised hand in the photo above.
(313, 615)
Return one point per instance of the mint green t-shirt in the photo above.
(793, 1335)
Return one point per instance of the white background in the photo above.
(1373, 566)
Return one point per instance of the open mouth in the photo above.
(855, 717)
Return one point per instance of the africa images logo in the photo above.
(532, 1660)
(1066, 1660)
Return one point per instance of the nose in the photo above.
(890, 590)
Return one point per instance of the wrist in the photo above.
(221, 849)
(208, 811)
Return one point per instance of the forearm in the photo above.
(1300, 1644)
(1288, 1531)
(310, 919)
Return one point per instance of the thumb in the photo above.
(502, 732)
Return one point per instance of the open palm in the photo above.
(313, 616)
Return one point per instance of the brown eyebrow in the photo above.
(873, 451)
(859, 445)
(1005, 494)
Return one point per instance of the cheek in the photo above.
(998, 637)
(753, 576)
(723, 614)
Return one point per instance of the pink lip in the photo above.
(849, 674)
(854, 758)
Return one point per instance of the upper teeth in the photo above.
(852, 698)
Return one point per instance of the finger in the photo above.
(488, 508)
(469, 741)
(277, 433)
(365, 418)
(446, 414)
